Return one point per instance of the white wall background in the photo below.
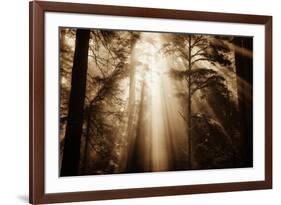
(14, 100)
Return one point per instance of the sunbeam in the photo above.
(154, 102)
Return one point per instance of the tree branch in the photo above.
(198, 52)
(199, 59)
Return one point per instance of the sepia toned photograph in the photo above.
(138, 101)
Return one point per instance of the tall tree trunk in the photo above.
(71, 153)
(87, 141)
(244, 69)
(131, 110)
(189, 105)
(136, 160)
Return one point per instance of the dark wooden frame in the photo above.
(37, 95)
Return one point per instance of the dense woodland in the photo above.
(143, 101)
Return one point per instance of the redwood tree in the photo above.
(244, 69)
(71, 152)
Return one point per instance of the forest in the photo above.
(133, 102)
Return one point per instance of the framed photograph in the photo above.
(140, 102)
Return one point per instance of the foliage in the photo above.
(212, 52)
(213, 147)
(117, 115)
